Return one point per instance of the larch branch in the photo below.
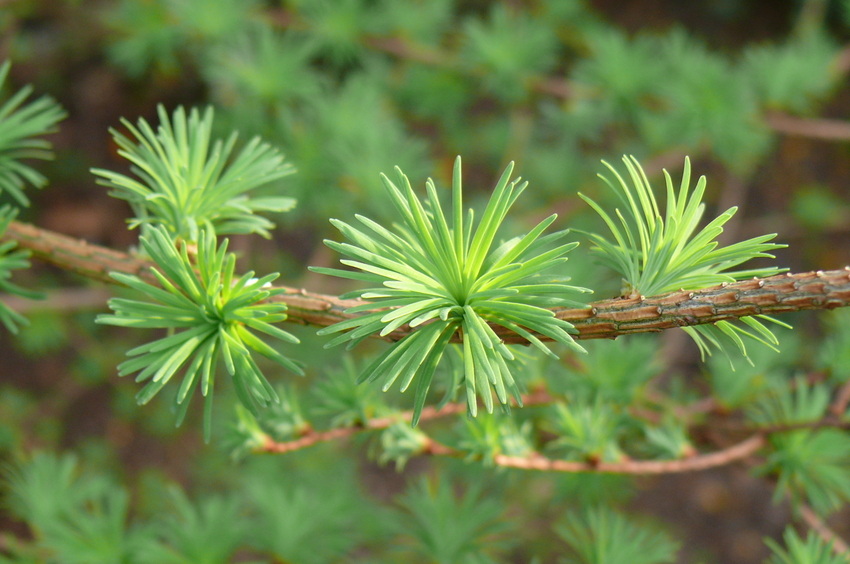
(313, 437)
(694, 463)
(534, 461)
(606, 319)
(826, 129)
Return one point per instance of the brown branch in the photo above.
(310, 438)
(313, 437)
(765, 296)
(536, 461)
(827, 129)
(75, 255)
(539, 462)
(533, 462)
(639, 467)
(605, 319)
(826, 534)
(436, 448)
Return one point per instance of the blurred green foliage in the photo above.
(348, 90)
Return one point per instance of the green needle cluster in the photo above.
(442, 279)
(656, 254)
(187, 182)
(21, 125)
(209, 315)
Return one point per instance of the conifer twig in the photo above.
(313, 437)
(694, 463)
(606, 319)
(537, 461)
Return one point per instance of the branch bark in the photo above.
(606, 319)
(826, 129)
(695, 463)
(535, 461)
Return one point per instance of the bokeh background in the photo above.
(756, 93)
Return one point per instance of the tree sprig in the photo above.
(656, 253)
(443, 276)
(188, 182)
(21, 125)
(209, 315)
